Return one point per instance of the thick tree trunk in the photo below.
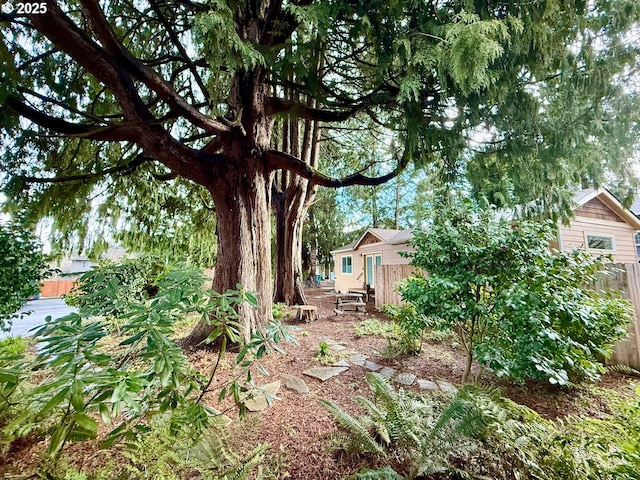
(244, 244)
(288, 275)
(291, 199)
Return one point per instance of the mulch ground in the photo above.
(297, 427)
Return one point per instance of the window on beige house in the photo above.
(601, 242)
(347, 264)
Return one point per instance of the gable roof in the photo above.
(385, 235)
(583, 196)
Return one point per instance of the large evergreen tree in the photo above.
(525, 96)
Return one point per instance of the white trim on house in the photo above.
(612, 202)
(342, 264)
(612, 237)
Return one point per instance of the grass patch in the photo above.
(13, 346)
(374, 326)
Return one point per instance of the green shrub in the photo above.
(324, 354)
(412, 327)
(376, 327)
(280, 310)
(22, 267)
(148, 376)
(13, 346)
(522, 310)
(108, 288)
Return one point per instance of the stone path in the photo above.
(258, 401)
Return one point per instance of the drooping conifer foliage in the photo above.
(104, 100)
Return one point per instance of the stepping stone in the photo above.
(387, 372)
(405, 378)
(357, 359)
(341, 363)
(374, 367)
(447, 387)
(427, 385)
(221, 419)
(337, 347)
(294, 383)
(259, 401)
(325, 373)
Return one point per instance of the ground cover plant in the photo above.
(478, 434)
(519, 308)
(299, 430)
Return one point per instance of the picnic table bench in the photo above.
(350, 301)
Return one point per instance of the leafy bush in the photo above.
(108, 288)
(151, 376)
(412, 327)
(22, 268)
(521, 309)
(13, 346)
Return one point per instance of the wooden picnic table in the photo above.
(353, 300)
(361, 291)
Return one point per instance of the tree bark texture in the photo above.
(237, 162)
(291, 198)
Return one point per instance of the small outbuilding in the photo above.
(355, 264)
(600, 225)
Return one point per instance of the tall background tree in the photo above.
(521, 97)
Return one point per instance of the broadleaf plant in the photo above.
(147, 374)
(518, 307)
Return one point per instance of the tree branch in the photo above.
(126, 169)
(279, 160)
(176, 42)
(299, 110)
(114, 65)
(120, 132)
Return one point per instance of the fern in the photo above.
(625, 369)
(406, 427)
(361, 438)
(386, 473)
(158, 454)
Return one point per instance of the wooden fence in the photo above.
(56, 288)
(387, 277)
(626, 278)
(623, 276)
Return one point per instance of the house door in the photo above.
(371, 261)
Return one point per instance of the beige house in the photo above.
(355, 263)
(601, 225)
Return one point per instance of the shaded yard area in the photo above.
(298, 428)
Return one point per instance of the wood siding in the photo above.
(368, 239)
(574, 236)
(56, 288)
(596, 208)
